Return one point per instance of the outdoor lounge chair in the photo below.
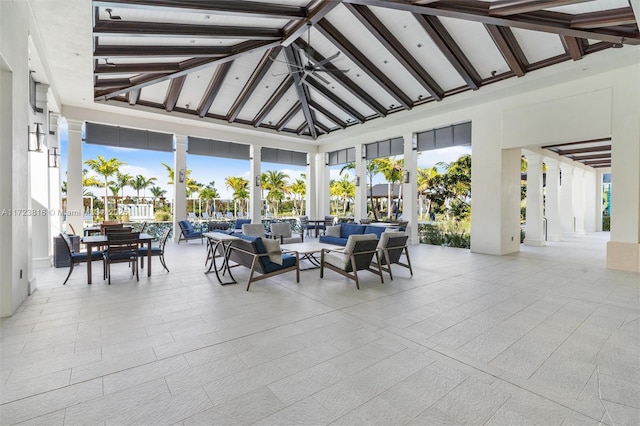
(188, 233)
(282, 231)
(392, 245)
(253, 229)
(357, 256)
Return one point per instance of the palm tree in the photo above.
(157, 192)
(137, 183)
(392, 170)
(240, 187)
(170, 172)
(299, 189)
(115, 189)
(344, 189)
(277, 186)
(426, 181)
(105, 168)
(209, 193)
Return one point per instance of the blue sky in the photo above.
(207, 169)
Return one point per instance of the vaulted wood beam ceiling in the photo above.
(573, 46)
(273, 101)
(133, 96)
(331, 33)
(393, 46)
(450, 49)
(321, 88)
(509, 48)
(343, 79)
(513, 7)
(302, 91)
(256, 77)
(478, 11)
(318, 11)
(173, 93)
(590, 156)
(558, 145)
(158, 29)
(584, 150)
(262, 10)
(121, 51)
(214, 87)
(331, 116)
(606, 18)
(142, 81)
(288, 116)
(160, 67)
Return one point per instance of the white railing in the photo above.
(137, 211)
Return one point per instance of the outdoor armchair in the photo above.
(156, 251)
(392, 246)
(357, 256)
(122, 248)
(187, 232)
(282, 231)
(253, 229)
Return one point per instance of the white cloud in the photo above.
(447, 155)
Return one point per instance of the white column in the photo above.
(552, 200)
(75, 209)
(578, 200)
(566, 200)
(599, 199)
(410, 189)
(179, 184)
(495, 213)
(323, 201)
(623, 250)
(590, 201)
(255, 193)
(55, 183)
(534, 231)
(312, 186)
(360, 208)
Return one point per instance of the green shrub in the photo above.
(606, 223)
(162, 216)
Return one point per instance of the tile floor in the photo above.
(546, 336)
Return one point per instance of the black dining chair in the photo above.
(79, 257)
(122, 247)
(155, 250)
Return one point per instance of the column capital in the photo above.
(74, 125)
(181, 139)
(551, 163)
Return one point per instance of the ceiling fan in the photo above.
(308, 67)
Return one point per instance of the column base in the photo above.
(623, 256)
(532, 242)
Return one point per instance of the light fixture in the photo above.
(112, 16)
(181, 176)
(414, 144)
(35, 138)
(618, 45)
(406, 176)
(53, 157)
(258, 181)
(364, 152)
(357, 180)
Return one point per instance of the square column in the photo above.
(590, 201)
(179, 184)
(534, 231)
(75, 208)
(552, 200)
(360, 208)
(323, 181)
(410, 189)
(566, 200)
(39, 192)
(55, 183)
(578, 200)
(599, 199)
(255, 192)
(312, 188)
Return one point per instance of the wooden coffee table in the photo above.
(309, 251)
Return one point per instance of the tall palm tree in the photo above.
(426, 181)
(299, 189)
(345, 189)
(157, 192)
(240, 188)
(105, 168)
(392, 170)
(122, 180)
(115, 189)
(277, 186)
(137, 183)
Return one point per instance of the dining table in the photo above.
(101, 240)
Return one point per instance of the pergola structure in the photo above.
(558, 79)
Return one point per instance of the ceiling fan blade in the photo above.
(332, 71)
(322, 79)
(327, 60)
(302, 80)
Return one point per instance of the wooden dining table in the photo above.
(101, 240)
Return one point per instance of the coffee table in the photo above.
(309, 251)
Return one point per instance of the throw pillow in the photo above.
(333, 231)
(273, 250)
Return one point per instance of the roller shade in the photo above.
(215, 148)
(443, 137)
(283, 156)
(385, 148)
(124, 137)
(342, 156)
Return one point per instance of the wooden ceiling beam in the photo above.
(605, 18)
(173, 93)
(221, 7)
(241, 49)
(256, 77)
(133, 96)
(111, 83)
(317, 10)
(121, 51)
(371, 22)
(320, 125)
(577, 143)
(273, 101)
(590, 156)
(450, 49)
(141, 68)
(583, 150)
(331, 116)
(214, 87)
(509, 48)
(478, 11)
(164, 29)
(343, 79)
(301, 90)
(288, 116)
(330, 32)
(514, 7)
(335, 100)
(573, 47)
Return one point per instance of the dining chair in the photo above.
(109, 224)
(155, 250)
(79, 257)
(122, 248)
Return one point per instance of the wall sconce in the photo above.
(414, 144)
(406, 176)
(181, 176)
(35, 138)
(257, 181)
(53, 157)
(357, 180)
(326, 159)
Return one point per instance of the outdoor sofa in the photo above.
(339, 234)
